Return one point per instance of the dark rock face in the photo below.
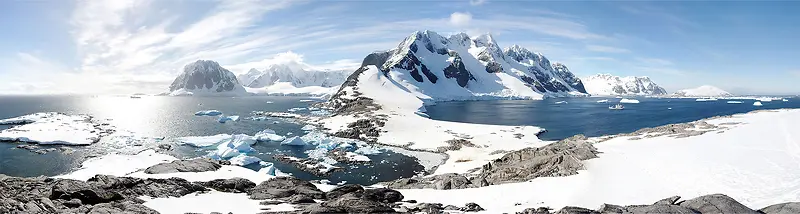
(576, 210)
(441, 182)
(668, 201)
(100, 194)
(471, 207)
(344, 189)
(383, 195)
(235, 185)
(562, 158)
(282, 187)
(193, 165)
(205, 74)
(716, 203)
(659, 208)
(562, 71)
(540, 210)
(351, 203)
(784, 208)
(457, 70)
(363, 129)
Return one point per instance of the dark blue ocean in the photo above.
(587, 116)
(171, 117)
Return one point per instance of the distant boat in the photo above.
(616, 107)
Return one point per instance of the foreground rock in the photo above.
(100, 194)
(562, 158)
(714, 203)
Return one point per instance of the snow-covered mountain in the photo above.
(430, 67)
(206, 77)
(702, 91)
(295, 74)
(607, 84)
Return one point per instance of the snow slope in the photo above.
(756, 161)
(206, 78)
(606, 84)
(703, 91)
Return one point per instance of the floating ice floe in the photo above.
(561, 102)
(734, 102)
(705, 99)
(223, 119)
(602, 101)
(295, 109)
(54, 128)
(269, 102)
(234, 146)
(308, 128)
(305, 101)
(208, 113)
(268, 135)
(244, 160)
(757, 103)
(785, 100)
(203, 141)
(294, 141)
(625, 100)
(313, 108)
(262, 118)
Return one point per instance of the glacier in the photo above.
(702, 91)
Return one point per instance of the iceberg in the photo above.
(705, 99)
(734, 102)
(308, 128)
(244, 160)
(561, 102)
(54, 128)
(208, 113)
(757, 103)
(223, 119)
(625, 100)
(234, 146)
(268, 135)
(785, 100)
(203, 141)
(294, 141)
(262, 118)
(602, 101)
(295, 109)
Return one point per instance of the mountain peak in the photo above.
(205, 76)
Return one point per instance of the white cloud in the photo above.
(477, 2)
(606, 49)
(460, 19)
(653, 61)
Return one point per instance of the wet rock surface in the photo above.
(192, 165)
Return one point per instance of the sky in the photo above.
(130, 46)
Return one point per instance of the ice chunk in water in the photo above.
(268, 135)
(294, 141)
(208, 113)
(244, 160)
(223, 119)
(757, 103)
(203, 141)
(308, 128)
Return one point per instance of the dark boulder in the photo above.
(281, 187)
(127, 207)
(783, 208)
(353, 204)
(575, 210)
(236, 185)
(610, 208)
(383, 195)
(658, 209)
(73, 189)
(540, 210)
(471, 207)
(716, 203)
(343, 189)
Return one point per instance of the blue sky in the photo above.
(139, 46)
